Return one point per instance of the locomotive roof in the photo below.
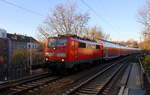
(105, 42)
(77, 38)
(21, 38)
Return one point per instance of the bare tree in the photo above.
(43, 33)
(130, 43)
(64, 20)
(145, 44)
(106, 36)
(96, 33)
(144, 19)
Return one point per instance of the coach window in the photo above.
(97, 47)
(82, 45)
(93, 46)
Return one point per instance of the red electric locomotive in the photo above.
(67, 52)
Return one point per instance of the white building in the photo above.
(3, 33)
(32, 45)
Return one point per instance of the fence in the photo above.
(12, 72)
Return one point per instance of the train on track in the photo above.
(68, 52)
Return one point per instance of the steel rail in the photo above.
(28, 84)
(20, 89)
(74, 89)
(33, 85)
(12, 83)
(111, 79)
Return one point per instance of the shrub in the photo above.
(22, 57)
(37, 58)
(146, 63)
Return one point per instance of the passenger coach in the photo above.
(113, 50)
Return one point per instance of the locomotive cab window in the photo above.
(61, 42)
(81, 45)
(57, 42)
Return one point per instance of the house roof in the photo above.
(21, 38)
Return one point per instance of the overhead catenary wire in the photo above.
(20, 7)
(98, 15)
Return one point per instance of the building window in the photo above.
(29, 46)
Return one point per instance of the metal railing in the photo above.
(12, 72)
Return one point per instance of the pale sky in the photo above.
(116, 17)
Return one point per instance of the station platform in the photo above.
(132, 83)
(135, 83)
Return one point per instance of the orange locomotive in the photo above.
(68, 52)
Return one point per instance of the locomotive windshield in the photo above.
(57, 42)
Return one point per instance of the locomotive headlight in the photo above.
(49, 54)
(61, 55)
(62, 60)
(46, 54)
(46, 59)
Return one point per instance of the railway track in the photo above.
(22, 80)
(20, 86)
(26, 85)
(63, 86)
(97, 84)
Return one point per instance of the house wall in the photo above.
(4, 50)
(16, 45)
